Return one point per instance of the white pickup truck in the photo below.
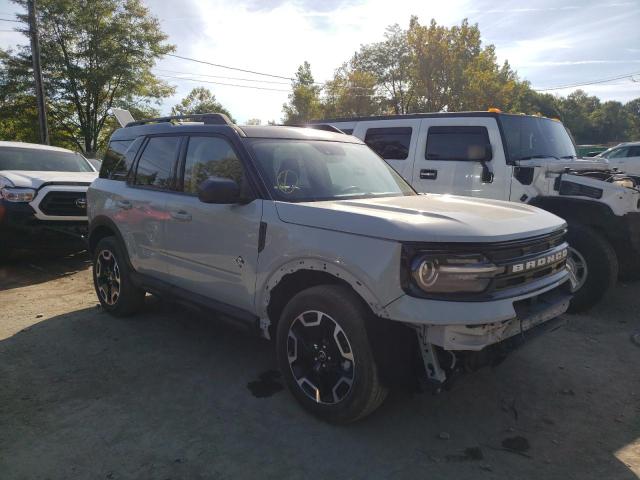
(524, 159)
(43, 201)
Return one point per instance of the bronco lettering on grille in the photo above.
(539, 262)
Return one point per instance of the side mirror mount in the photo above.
(219, 190)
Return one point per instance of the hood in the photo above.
(424, 218)
(24, 178)
(558, 166)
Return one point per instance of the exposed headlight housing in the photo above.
(13, 194)
(625, 182)
(443, 273)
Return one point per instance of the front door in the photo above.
(212, 249)
(442, 158)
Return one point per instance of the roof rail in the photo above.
(206, 118)
(321, 126)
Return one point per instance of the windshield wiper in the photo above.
(531, 157)
(569, 157)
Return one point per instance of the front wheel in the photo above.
(325, 356)
(592, 265)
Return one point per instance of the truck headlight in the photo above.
(12, 194)
(453, 273)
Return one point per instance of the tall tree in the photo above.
(390, 63)
(199, 100)
(352, 92)
(96, 54)
(304, 100)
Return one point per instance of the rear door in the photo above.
(212, 249)
(394, 140)
(442, 163)
(142, 211)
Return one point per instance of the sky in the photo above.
(551, 43)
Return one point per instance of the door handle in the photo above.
(428, 174)
(181, 216)
(123, 204)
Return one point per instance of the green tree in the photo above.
(352, 93)
(304, 101)
(390, 63)
(199, 100)
(96, 54)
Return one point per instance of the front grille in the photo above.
(534, 259)
(518, 275)
(64, 204)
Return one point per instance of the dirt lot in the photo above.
(172, 394)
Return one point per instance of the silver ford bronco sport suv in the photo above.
(312, 240)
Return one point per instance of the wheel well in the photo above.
(292, 284)
(98, 234)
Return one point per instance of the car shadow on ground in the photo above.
(31, 268)
(169, 393)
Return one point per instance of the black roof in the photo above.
(207, 124)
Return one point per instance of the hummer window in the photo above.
(155, 167)
(389, 143)
(210, 157)
(463, 143)
(536, 137)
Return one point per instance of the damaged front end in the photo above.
(448, 350)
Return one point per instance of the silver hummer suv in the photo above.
(311, 239)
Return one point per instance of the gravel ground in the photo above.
(172, 394)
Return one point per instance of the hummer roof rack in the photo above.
(206, 118)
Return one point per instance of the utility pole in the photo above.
(37, 72)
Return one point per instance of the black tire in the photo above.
(342, 307)
(601, 262)
(129, 298)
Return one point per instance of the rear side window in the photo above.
(210, 157)
(390, 143)
(119, 158)
(455, 143)
(156, 165)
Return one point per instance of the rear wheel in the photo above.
(112, 279)
(325, 356)
(593, 267)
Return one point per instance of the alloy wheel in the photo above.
(577, 266)
(320, 357)
(108, 277)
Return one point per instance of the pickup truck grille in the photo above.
(64, 204)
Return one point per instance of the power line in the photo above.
(228, 67)
(223, 77)
(225, 84)
(593, 82)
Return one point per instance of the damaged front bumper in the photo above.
(469, 337)
(530, 313)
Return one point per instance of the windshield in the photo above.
(313, 170)
(536, 137)
(35, 160)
